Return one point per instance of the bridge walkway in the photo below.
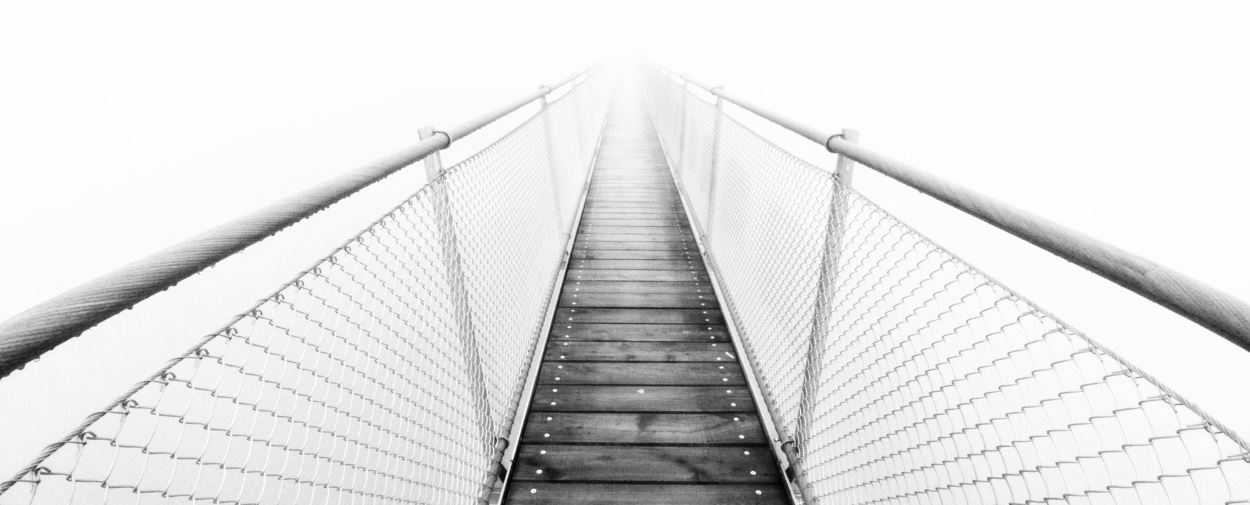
(640, 397)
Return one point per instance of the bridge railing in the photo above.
(390, 371)
(897, 373)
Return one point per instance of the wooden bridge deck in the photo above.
(640, 398)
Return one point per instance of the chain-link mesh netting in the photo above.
(383, 374)
(927, 382)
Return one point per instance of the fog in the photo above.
(125, 127)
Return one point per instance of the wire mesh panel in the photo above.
(381, 375)
(903, 374)
(512, 203)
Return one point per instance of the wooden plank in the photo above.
(615, 224)
(617, 208)
(634, 212)
(563, 331)
(613, 254)
(644, 222)
(637, 275)
(636, 184)
(637, 246)
(555, 493)
(653, 204)
(641, 201)
(669, 231)
(697, 399)
(599, 194)
(630, 237)
(650, 190)
(649, 428)
(642, 316)
(673, 222)
(641, 373)
(694, 263)
(597, 191)
(647, 189)
(676, 214)
(602, 194)
(637, 300)
(672, 234)
(641, 351)
(745, 464)
(634, 179)
(688, 287)
(618, 199)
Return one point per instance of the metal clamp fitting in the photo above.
(828, 147)
(444, 134)
(790, 449)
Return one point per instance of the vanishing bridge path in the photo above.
(630, 296)
(640, 397)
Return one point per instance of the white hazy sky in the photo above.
(126, 126)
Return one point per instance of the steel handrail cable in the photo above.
(1213, 309)
(431, 361)
(29, 334)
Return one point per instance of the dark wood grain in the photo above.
(652, 399)
(620, 209)
(745, 464)
(685, 287)
(693, 263)
(554, 493)
(713, 351)
(659, 222)
(636, 300)
(648, 428)
(648, 215)
(640, 373)
(561, 331)
(626, 254)
(647, 316)
(636, 246)
(632, 237)
(636, 275)
(669, 232)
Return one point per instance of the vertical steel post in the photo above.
(680, 154)
(450, 254)
(575, 94)
(835, 225)
(553, 164)
(846, 166)
(712, 170)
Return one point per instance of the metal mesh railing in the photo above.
(383, 374)
(901, 374)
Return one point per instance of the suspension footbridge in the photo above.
(634, 297)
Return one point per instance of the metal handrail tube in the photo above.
(42, 327)
(1213, 309)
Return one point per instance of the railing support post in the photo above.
(712, 170)
(835, 226)
(576, 96)
(552, 163)
(679, 155)
(846, 166)
(450, 253)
